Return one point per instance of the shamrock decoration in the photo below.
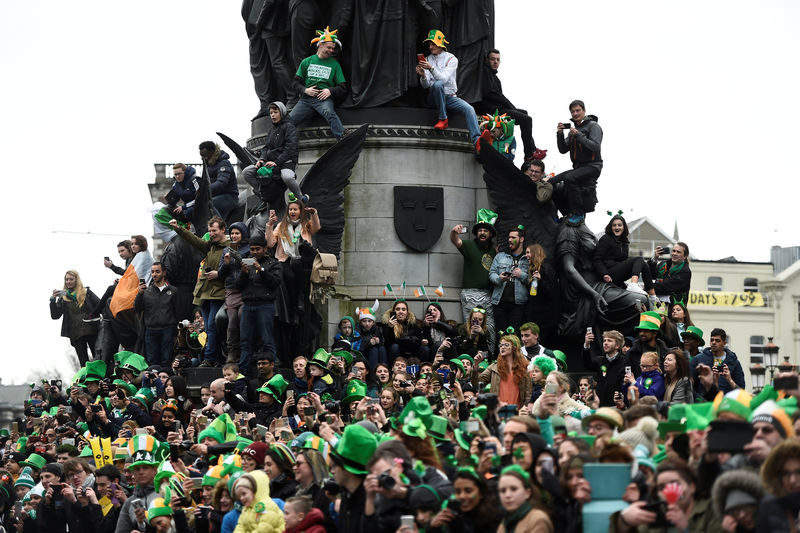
(648, 382)
(260, 507)
(518, 453)
(604, 369)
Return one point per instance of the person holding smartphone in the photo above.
(74, 302)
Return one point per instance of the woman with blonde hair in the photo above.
(543, 304)
(401, 336)
(74, 303)
(558, 384)
(508, 376)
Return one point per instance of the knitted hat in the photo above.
(354, 449)
(770, 413)
(545, 363)
(25, 479)
(437, 38)
(282, 455)
(650, 320)
(368, 312)
(609, 415)
(275, 387)
(158, 508)
(645, 433)
(693, 331)
(736, 402)
(222, 429)
(356, 389)
(256, 451)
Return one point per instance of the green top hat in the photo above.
(438, 428)
(275, 387)
(356, 389)
(222, 429)
(95, 371)
(320, 359)
(650, 320)
(129, 387)
(561, 360)
(344, 354)
(355, 448)
(480, 412)
(463, 438)
(458, 364)
(133, 362)
(485, 219)
(694, 331)
(144, 396)
(420, 407)
(144, 451)
(466, 357)
(34, 461)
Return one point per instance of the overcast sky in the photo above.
(692, 98)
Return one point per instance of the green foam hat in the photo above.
(415, 428)
(275, 387)
(438, 429)
(320, 359)
(95, 371)
(650, 320)
(693, 331)
(463, 439)
(356, 389)
(213, 475)
(561, 360)
(355, 448)
(133, 362)
(34, 461)
(417, 407)
(485, 219)
(480, 412)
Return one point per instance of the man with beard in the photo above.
(509, 277)
(478, 256)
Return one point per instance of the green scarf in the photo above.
(72, 295)
(511, 520)
(662, 270)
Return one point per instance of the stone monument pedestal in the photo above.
(401, 148)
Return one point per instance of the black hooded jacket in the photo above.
(584, 148)
(281, 146)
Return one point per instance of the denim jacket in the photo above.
(503, 262)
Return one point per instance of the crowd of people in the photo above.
(399, 424)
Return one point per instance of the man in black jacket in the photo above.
(258, 284)
(159, 305)
(494, 99)
(278, 157)
(180, 262)
(224, 190)
(609, 366)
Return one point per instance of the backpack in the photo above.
(324, 269)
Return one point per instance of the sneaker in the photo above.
(207, 363)
(441, 125)
(575, 219)
(92, 318)
(539, 154)
(635, 288)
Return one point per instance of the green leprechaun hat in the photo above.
(34, 461)
(132, 361)
(320, 359)
(693, 331)
(650, 320)
(144, 396)
(275, 387)
(144, 451)
(346, 355)
(561, 360)
(356, 389)
(95, 371)
(438, 429)
(417, 407)
(486, 220)
(354, 449)
(129, 387)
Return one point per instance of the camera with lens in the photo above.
(333, 407)
(489, 399)
(184, 360)
(55, 383)
(330, 486)
(386, 481)
(406, 383)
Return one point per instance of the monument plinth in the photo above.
(401, 149)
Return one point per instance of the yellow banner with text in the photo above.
(725, 299)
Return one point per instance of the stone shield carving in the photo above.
(418, 216)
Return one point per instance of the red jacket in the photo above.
(312, 523)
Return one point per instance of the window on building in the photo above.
(714, 283)
(798, 311)
(751, 284)
(756, 349)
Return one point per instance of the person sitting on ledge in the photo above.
(438, 74)
(321, 81)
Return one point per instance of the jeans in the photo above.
(442, 103)
(158, 346)
(210, 309)
(257, 322)
(306, 107)
(375, 355)
(224, 204)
